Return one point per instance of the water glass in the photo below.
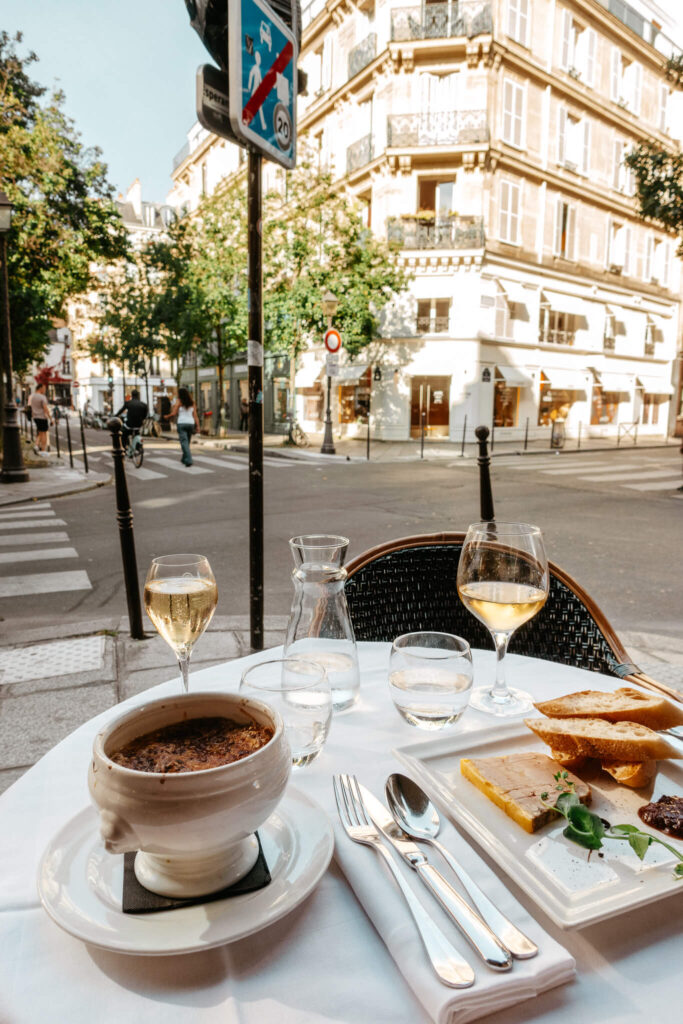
(300, 690)
(430, 678)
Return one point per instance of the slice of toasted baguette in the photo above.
(570, 761)
(624, 705)
(635, 774)
(593, 737)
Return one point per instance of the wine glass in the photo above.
(503, 582)
(180, 599)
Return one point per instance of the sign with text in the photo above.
(262, 56)
(213, 102)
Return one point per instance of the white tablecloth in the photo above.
(324, 962)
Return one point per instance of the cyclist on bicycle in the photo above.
(135, 413)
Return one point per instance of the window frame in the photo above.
(517, 120)
(518, 19)
(513, 188)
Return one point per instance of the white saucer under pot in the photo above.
(194, 831)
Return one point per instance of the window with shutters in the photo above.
(503, 326)
(578, 49)
(623, 177)
(618, 235)
(508, 223)
(433, 316)
(513, 113)
(518, 20)
(657, 262)
(573, 141)
(626, 81)
(663, 107)
(565, 230)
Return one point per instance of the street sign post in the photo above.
(332, 364)
(262, 56)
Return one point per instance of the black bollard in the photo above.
(422, 435)
(526, 434)
(85, 452)
(68, 441)
(57, 438)
(484, 463)
(464, 432)
(124, 516)
(578, 440)
(367, 440)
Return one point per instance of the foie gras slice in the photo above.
(515, 783)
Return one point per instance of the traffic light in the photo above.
(209, 19)
(110, 382)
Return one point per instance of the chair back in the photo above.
(410, 584)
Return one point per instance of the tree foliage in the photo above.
(64, 214)
(659, 186)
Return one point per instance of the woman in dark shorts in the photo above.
(40, 413)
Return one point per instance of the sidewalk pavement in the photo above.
(54, 679)
(52, 481)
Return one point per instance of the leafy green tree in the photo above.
(65, 218)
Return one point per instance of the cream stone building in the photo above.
(486, 138)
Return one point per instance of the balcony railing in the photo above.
(358, 154)
(432, 324)
(444, 233)
(362, 54)
(181, 155)
(449, 128)
(442, 21)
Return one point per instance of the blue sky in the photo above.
(128, 71)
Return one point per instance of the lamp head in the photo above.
(5, 213)
(330, 302)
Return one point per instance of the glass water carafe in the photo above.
(320, 628)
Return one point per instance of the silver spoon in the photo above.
(414, 812)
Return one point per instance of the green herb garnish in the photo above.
(588, 830)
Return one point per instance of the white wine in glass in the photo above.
(503, 581)
(180, 599)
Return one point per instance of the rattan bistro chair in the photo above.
(410, 584)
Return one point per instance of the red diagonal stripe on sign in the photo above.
(267, 83)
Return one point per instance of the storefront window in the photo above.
(554, 404)
(505, 405)
(649, 410)
(280, 399)
(354, 399)
(313, 404)
(604, 406)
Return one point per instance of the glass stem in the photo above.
(184, 664)
(499, 690)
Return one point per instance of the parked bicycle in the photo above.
(297, 435)
(152, 427)
(134, 449)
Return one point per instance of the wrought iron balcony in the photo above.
(358, 154)
(449, 128)
(442, 21)
(181, 155)
(432, 325)
(362, 54)
(443, 233)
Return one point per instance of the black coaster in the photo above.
(138, 900)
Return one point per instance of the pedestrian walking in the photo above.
(244, 414)
(40, 414)
(187, 422)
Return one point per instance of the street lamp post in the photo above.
(329, 304)
(13, 469)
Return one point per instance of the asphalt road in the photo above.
(612, 519)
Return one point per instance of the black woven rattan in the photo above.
(414, 588)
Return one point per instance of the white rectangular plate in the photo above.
(571, 888)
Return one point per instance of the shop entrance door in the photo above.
(431, 396)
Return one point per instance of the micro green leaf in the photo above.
(625, 829)
(639, 843)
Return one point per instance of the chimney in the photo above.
(134, 197)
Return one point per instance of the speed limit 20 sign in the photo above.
(332, 340)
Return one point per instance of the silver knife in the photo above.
(476, 931)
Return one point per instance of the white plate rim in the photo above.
(294, 804)
(411, 754)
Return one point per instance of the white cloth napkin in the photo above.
(379, 895)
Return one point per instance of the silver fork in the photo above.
(449, 966)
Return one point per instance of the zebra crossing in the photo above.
(161, 463)
(635, 472)
(28, 535)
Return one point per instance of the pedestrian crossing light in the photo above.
(110, 382)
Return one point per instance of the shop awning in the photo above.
(653, 386)
(350, 374)
(307, 376)
(565, 380)
(513, 376)
(613, 382)
(563, 303)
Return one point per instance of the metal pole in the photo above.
(57, 437)
(367, 447)
(578, 441)
(526, 434)
(124, 517)
(484, 463)
(255, 360)
(68, 441)
(464, 431)
(85, 452)
(493, 434)
(13, 469)
(422, 435)
(327, 447)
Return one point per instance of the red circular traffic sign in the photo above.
(75, 384)
(332, 340)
